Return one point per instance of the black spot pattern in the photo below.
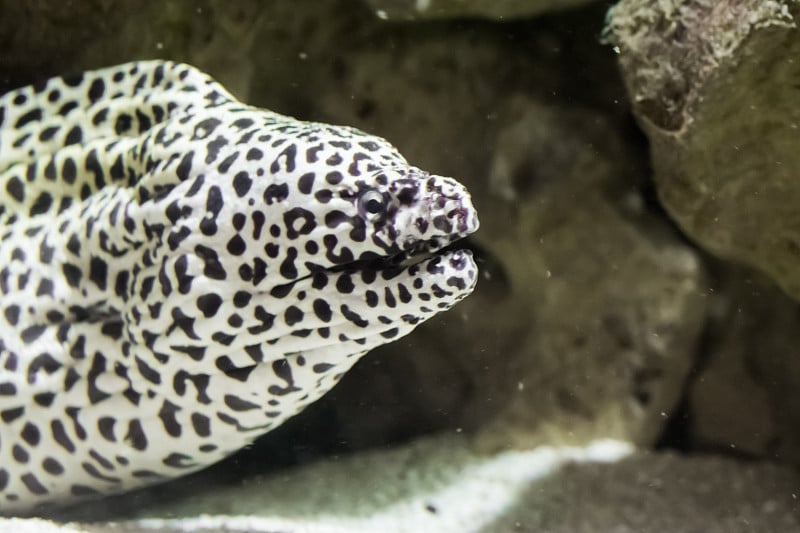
(185, 272)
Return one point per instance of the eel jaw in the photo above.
(415, 251)
(422, 250)
(401, 260)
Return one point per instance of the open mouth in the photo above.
(390, 265)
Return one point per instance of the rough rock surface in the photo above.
(493, 9)
(614, 301)
(442, 484)
(743, 396)
(714, 85)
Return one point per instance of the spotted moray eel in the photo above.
(181, 272)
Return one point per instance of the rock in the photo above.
(69, 27)
(90, 34)
(743, 397)
(442, 484)
(614, 301)
(714, 86)
(492, 9)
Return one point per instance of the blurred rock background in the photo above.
(637, 174)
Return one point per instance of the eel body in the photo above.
(181, 272)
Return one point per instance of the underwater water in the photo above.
(244, 287)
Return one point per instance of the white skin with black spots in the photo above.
(181, 272)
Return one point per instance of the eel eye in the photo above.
(372, 205)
